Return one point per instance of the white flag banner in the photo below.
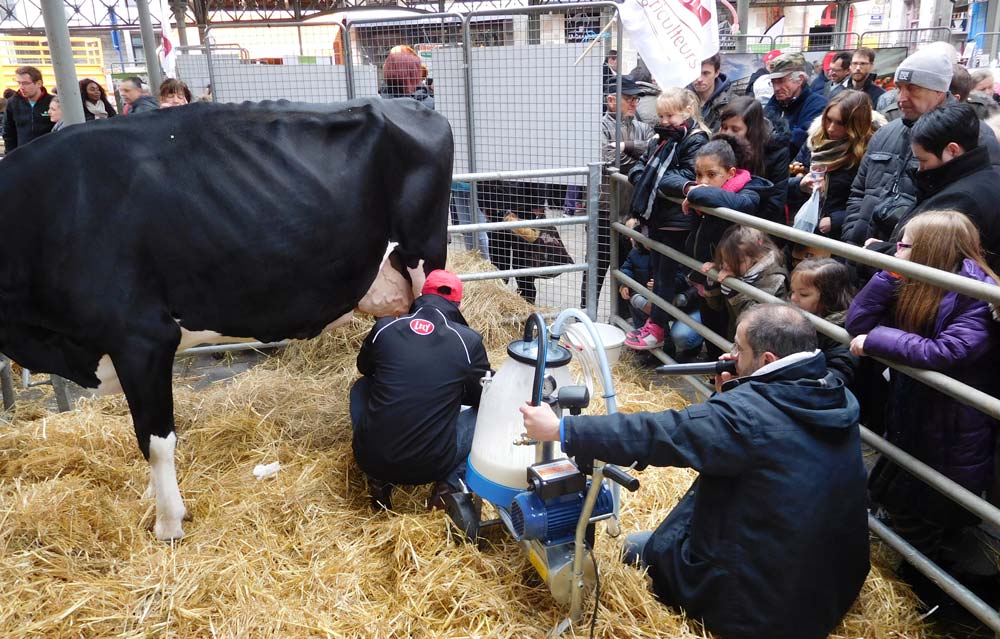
(672, 36)
(166, 52)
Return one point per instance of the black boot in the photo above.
(380, 493)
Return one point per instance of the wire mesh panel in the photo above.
(535, 103)
(303, 62)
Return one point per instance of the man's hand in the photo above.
(858, 345)
(540, 423)
(825, 224)
(871, 240)
(724, 377)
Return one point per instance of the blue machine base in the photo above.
(489, 490)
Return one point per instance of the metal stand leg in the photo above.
(61, 388)
(6, 383)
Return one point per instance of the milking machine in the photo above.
(545, 500)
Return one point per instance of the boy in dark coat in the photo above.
(772, 539)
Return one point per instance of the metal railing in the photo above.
(958, 390)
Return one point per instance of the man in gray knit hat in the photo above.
(883, 191)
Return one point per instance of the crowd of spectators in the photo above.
(33, 111)
(911, 173)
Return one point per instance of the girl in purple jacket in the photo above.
(924, 326)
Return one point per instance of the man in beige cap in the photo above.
(883, 190)
(793, 100)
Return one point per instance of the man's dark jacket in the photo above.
(711, 110)
(771, 542)
(143, 104)
(24, 122)
(968, 184)
(872, 90)
(887, 150)
(418, 385)
(799, 113)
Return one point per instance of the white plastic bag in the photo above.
(808, 216)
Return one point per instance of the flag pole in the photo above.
(596, 39)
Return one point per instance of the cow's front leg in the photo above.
(145, 367)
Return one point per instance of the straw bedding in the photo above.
(299, 554)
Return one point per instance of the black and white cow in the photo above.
(127, 238)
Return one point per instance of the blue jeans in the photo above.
(465, 430)
(461, 206)
(684, 337)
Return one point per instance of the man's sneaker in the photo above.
(646, 338)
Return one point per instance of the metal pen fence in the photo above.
(909, 38)
(830, 41)
(745, 43)
(987, 46)
(958, 390)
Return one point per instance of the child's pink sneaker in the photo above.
(647, 337)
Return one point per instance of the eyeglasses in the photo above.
(902, 245)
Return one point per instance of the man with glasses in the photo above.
(27, 110)
(862, 77)
(772, 538)
(635, 137)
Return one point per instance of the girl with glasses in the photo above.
(925, 326)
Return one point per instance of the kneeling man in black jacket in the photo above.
(772, 539)
(419, 369)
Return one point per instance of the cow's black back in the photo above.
(256, 220)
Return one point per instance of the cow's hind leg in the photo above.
(145, 367)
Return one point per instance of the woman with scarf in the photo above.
(830, 158)
(96, 105)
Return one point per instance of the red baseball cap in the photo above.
(443, 283)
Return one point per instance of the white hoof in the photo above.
(168, 529)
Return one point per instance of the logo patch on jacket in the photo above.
(421, 327)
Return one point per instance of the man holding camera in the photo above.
(771, 540)
(883, 190)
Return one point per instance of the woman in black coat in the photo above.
(96, 105)
(767, 152)
(837, 141)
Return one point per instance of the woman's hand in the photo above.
(808, 184)
(858, 345)
(540, 423)
(825, 225)
(625, 292)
